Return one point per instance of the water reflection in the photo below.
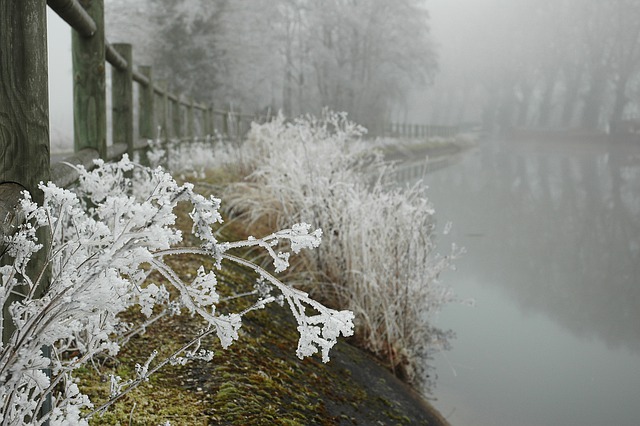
(558, 230)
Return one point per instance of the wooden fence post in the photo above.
(239, 124)
(122, 99)
(24, 122)
(24, 98)
(146, 106)
(226, 117)
(190, 121)
(212, 129)
(176, 113)
(24, 137)
(89, 97)
(164, 110)
(206, 121)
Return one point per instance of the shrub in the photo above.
(107, 236)
(378, 258)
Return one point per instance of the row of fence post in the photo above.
(421, 130)
(89, 51)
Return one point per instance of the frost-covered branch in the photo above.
(107, 236)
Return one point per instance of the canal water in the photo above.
(552, 232)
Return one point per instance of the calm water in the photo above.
(552, 233)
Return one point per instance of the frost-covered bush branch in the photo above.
(378, 256)
(107, 236)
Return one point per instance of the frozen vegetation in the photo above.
(108, 235)
(111, 234)
(378, 257)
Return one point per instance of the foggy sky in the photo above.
(459, 29)
(60, 82)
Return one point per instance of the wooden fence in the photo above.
(24, 111)
(408, 130)
(23, 102)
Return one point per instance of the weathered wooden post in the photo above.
(212, 120)
(164, 110)
(146, 106)
(226, 117)
(206, 121)
(24, 136)
(24, 124)
(208, 113)
(122, 99)
(176, 112)
(239, 124)
(190, 121)
(89, 97)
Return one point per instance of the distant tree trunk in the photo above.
(524, 105)
(621, 99)
(571, 96)
(593, 101)
(547, 99)
(507, 107)
(490, 110)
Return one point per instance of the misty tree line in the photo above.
(359, 56)
(551, 63)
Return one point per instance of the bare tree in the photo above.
(299, 55)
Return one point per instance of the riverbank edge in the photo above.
(354, 388)
(434, 150)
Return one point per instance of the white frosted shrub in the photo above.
(378, 255)
(107, 235)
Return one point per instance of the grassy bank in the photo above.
(258, 380)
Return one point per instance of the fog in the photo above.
(551, 225)
(547, 206)
(533, 64)
(503, 63)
